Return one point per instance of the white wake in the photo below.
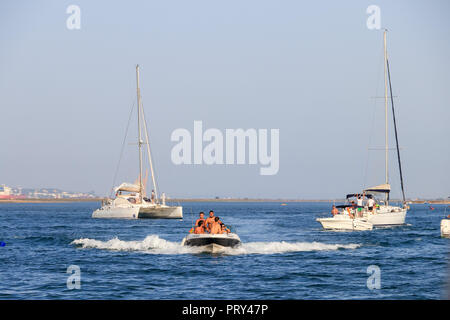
(155, 245)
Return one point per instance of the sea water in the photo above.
(285, 255)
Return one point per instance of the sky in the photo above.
(313, 70)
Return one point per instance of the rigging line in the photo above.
(122, 149)
(395, 130)
(149, 154)
(373, 122)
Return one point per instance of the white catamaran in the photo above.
(374, 212)
(130, 200)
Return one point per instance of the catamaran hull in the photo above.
(116, 213)
(139, 213)
(388, 219)
(161, 213)
(445, 228)
(345, 224)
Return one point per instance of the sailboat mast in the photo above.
(396, 135)
(139, 132)
(386, 111)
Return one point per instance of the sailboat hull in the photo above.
(344, 223)
(388, 218)
(445, 228)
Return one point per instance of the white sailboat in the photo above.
(445, 227)
(344, 221)
(130, 200)
(375, 212)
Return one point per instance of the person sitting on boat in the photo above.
(224, 229)
(199, 228)
(215, 228)
(202, 218)
(350, 213)
(334, 210)
(209, 221)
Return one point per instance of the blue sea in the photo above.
(285, 255)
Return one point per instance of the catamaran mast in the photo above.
(386, 112)
(150, 157)
(140, 142)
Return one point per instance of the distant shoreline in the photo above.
(205, 200)
(50, 200)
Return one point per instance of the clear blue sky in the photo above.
(309, 69)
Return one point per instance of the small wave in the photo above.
(155, 245)
(151, 244)
(281, 247)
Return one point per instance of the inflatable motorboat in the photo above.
(212, 242)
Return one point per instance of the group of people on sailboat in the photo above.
(355, 208)
(134, 197)
(212, 224)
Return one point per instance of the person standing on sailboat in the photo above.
(334, 210)
(371, 204)
(153, 196)
(359, 201)
(359, 204)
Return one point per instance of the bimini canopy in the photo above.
(383, 188)
(355, 195)
(128, 187)
(348, 206)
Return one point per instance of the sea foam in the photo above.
(153, 244)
